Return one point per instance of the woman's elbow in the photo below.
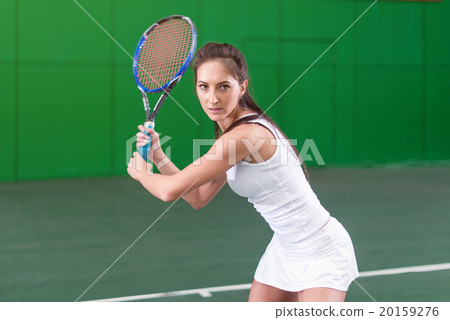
(169, 195)
(197, 205)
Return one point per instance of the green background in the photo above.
(69, 102)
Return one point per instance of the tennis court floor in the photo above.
(59, 236)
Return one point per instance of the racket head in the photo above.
(164, 53)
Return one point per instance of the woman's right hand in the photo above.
(156, 154)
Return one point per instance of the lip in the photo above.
(214, 110)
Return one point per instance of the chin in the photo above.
(214, 117)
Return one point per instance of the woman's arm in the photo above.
(210, 168)
(197, 198)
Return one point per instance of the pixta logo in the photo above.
(307, 152)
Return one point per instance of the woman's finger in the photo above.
(142, 139)
(153, 134)
(137, 156)
(142, 144)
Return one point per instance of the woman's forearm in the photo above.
(158, 185)
(197, 198)
(165, 165)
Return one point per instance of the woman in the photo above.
(310, 257)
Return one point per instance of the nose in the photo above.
(212, 98)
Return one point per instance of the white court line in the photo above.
(426, 268)
(206, 292)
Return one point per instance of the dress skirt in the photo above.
(326, 258)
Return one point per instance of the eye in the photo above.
(224, 87)
(202, 86)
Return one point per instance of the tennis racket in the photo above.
(163, 54)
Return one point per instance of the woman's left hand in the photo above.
(138, 167)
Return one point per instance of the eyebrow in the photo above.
(226, 81)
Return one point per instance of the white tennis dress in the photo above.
(309, 248)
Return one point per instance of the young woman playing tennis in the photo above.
(311, 256)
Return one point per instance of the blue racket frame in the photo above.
(167, 87)
(183, 67)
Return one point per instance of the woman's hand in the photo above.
(156, 155)
(138, 167)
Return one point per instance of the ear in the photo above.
(244, 87)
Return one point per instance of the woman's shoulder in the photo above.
(253, 131)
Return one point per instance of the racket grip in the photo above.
(143, 151)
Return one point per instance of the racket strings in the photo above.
(164, 52)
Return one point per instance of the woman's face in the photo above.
(218, 92)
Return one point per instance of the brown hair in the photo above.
(235, 63)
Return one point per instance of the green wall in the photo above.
(69, 102)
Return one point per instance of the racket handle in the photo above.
(143, 151)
